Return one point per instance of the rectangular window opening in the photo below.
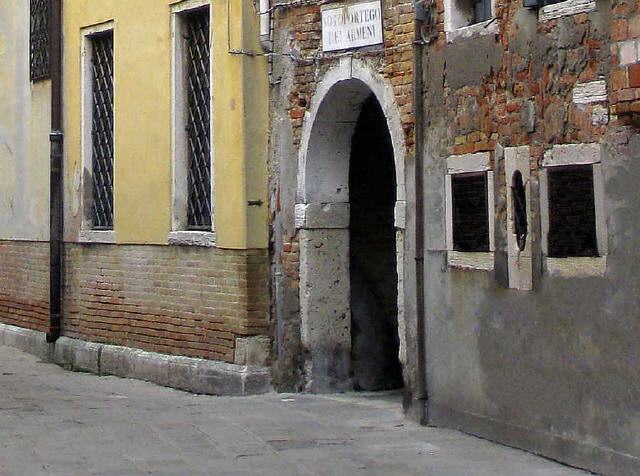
(198, 121)
(39, 39)
(102, 129)
(572, 212)
(470, 212)
(481, 11)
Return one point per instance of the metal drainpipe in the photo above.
(418, 109)
(56, 213)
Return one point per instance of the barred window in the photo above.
(198, 125)
(470, 212)
(102, 129)
(39, 39)
(572, 213)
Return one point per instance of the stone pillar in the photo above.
(325, 294)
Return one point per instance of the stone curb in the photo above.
(183, 373)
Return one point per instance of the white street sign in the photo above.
(351, 26)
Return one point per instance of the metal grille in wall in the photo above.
(572, 214)
(102, 130)
(198, 122)
(470, 212)
(40, 15)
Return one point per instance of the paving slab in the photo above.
(56, 422)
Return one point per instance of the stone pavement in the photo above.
(57, 422)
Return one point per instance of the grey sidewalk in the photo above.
(58, 422)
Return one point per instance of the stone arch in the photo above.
(322, 216)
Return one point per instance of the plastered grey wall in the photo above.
(553, 370)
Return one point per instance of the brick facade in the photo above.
(169, 299)
(393, 61)
(24, 284)
(174, 300)
(625, 59)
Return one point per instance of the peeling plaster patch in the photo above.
(77, 183)
(563, 9)
(600, 115)
(593, 91)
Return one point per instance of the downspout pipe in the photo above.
(55, 179)
(265, 25)
(421, 397)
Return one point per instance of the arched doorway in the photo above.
(350, 187)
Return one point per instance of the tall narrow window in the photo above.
(39, 36)
(102, 129)
(198, 120)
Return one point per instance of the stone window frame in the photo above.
(575, 266)
(179, 235)
(460, 164)
(456, 29)
(565, 8)
(87, 234)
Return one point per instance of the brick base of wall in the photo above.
(24, 284)
(170, 299)
(176, 300)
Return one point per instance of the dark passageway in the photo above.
(374, 280)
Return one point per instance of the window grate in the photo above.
(198, 121)
(572, 215)
(102, 130)
(39, 39)
(470, 212)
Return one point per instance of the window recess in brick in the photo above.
(572, 214)
(470, 212)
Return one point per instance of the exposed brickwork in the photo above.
(393, 61)
(24, 284)
(176, 300)
(625, 58)
(530, 84)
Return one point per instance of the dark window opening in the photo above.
(39, 39)
(572, 214)
(102, 130)
(481, 10)
(373, 267)
(198, 121)
(470, 212)
(519, 207)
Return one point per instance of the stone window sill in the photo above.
(566, 8)
(478, 29)
(576, 267)
(482, 261)
(97, 236)
(206, 239)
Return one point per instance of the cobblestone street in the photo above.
(57, 422)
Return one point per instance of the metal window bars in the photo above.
(102, 130)
(39, 39)
(198, 120)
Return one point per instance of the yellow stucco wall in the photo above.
(142, 118)
(24, 132)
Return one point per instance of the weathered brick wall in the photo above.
(393, 61)
(299, 65)
(24, 284)
(176, 300)
(625, 59)
(524, 95)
